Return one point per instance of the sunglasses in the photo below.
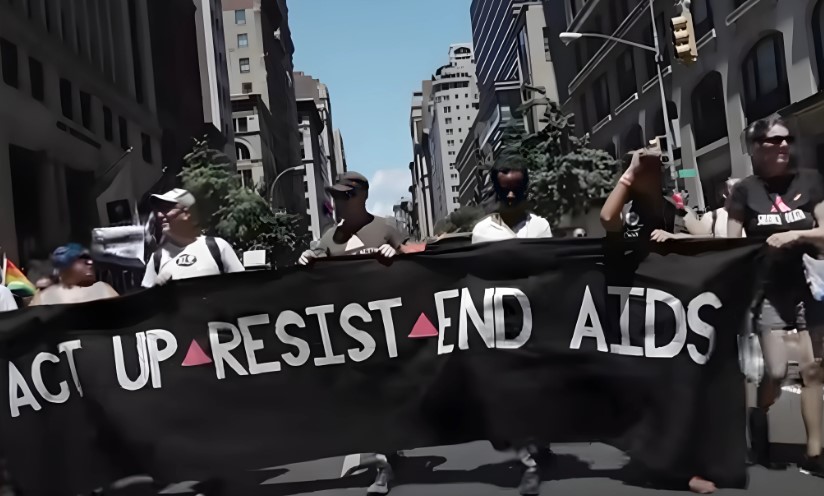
(777, 140)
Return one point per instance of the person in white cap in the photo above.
(184, 252)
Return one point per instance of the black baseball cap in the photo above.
(348, 181)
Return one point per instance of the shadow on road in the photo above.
(423, 470)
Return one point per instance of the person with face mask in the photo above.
(784, 205)
(511, 218)
(358, 232)
(76, 279)
(184, 251)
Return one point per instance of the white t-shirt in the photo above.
(493, 228)
(7, 302)
(195, 260)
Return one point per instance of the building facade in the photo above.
(77, 93)
(421, 188)
(214, 75)
(453, 103)
(403, 215)
(254, 143)
(755, 58)
(340, 153)
(317, 203)
(260, 54)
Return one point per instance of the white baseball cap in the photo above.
(177, 196)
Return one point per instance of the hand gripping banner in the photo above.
(552, 340)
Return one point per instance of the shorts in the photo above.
(782, 313)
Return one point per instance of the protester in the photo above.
(512, 219)
(785, 205)
(183, 251)
(651, 215)
(713, 223)
(358, 232)
(76, 279)
(7, 301)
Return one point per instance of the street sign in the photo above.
(685, 173)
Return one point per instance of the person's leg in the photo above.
(812, 402)
(531, 480)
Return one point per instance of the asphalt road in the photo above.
(478, 470)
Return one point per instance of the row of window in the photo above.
(9, 65)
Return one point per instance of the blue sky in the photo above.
(372, 54)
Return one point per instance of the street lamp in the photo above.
(568, 38)
(275, 182)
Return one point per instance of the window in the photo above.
(242, 151)
(124, 133)
(618, 11)
(66, 104)
(451, 154)
(108, 124)
(454, 189)
(8, 57)
(633, 139)
(583, 122)
(86, 110)
(447, 110)
(38, 91)
(242, 125)
(709, 116)
(244, 65)
(766, 89)
(246, 88)
(701, 17)
(448, 120)
(449, 132)
(240, 17)
(626, 76)
(450, 142)
(246, 178)
(242, 40)
(652, 69)
(601, 88)
(146, 147)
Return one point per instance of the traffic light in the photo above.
(683, 38)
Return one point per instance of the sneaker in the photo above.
(530, 483)
(812, 465)
(382, 480)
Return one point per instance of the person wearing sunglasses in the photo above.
(357, 232)
(784, 205)
(77, 281)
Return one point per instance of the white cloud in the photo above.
(386, 187)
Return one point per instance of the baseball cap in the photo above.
(177, 196)
(349, 181)
(64, 256)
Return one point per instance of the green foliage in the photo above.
(238, 214)
(565, 173)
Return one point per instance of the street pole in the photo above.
(275, 182)
(659, 61)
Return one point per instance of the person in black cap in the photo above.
(358, 232)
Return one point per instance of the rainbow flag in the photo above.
(15, 280)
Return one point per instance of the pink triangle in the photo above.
(196, 356)
(423, 328)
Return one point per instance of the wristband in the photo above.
(626, 180)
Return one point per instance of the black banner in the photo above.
(212, 379)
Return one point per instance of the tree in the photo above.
(565, 173)
(228, 209)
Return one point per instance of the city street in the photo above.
(477, 469)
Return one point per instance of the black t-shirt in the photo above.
(641, 220)
(770, 206)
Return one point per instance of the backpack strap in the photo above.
(158, 254)
(214, 249)
(714, 221)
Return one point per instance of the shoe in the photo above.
(382, 480)
(812, 465)
(530, 483)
